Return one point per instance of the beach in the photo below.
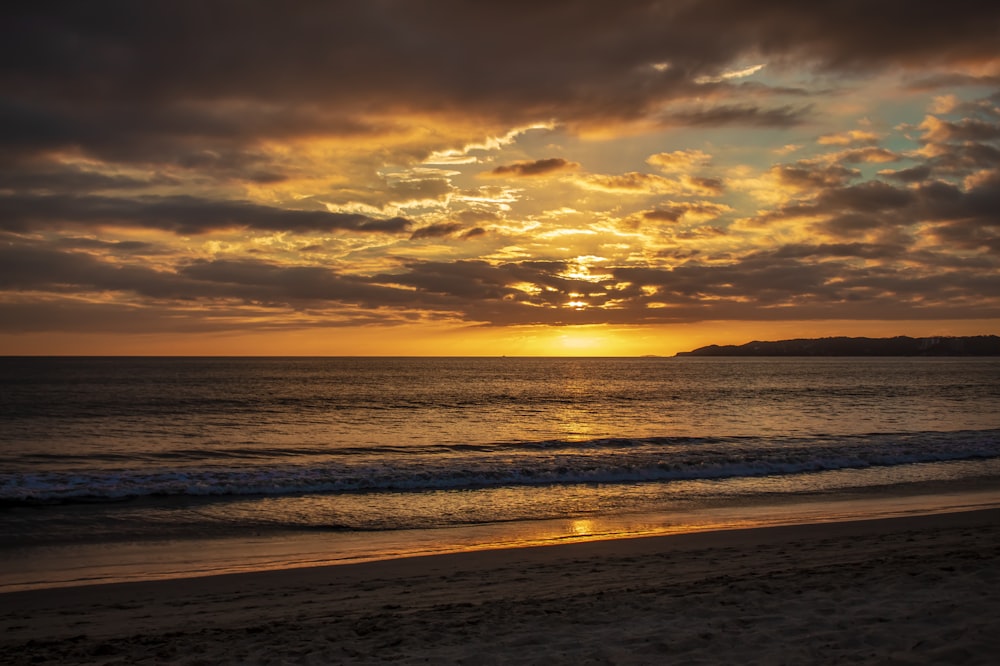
(915, 589)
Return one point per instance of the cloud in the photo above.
(68, 178)
(26, 268)
(256, 281)
(419, 189)
(910, 175)
(937, 130)
(331, 65)
(638, 183)
(849, 138)
(533, 168)
(79, 315)
(679, 160)
(294, 141)
(675, 211)
(833, 36)
(180, 215)
(632, 182)
(969, 218)
(810, 174)
(867, 155)
(737, 114)
(244, 280)
(731, 74)
(950, 80)
(840, 250)
(140, 248)
(789, 281)
(475, 232)
(951, 199)
(436, 230)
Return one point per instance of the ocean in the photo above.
(131, 468)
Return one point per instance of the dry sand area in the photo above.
(921, 589)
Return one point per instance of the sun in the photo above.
(594, 340)
(599, 340)
(580, 342)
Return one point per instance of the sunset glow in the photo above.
(456, 178)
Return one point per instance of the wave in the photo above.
(296, 471)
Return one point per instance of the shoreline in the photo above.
(72, 565)
(912, 589)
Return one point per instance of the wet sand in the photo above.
(921, 589)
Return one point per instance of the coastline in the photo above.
(102, 563)
(911, 589)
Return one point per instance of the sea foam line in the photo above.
(598, 461)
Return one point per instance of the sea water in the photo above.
(121, 468)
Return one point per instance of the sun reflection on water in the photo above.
(582, 527)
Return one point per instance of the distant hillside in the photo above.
(979, 345)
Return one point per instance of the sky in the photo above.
(436, 177)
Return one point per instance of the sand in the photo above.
(919, 589)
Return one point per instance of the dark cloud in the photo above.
(738, 114)
(63, 179)
(475, 232)
(868, 155)
(701, 232)
(861, 250)
(712, 186)
(967, 129)
(534, 168)
(139, 248)
(235, 165)
(39, 268)
(81, 316)
(959, 159)
(910, 175)
(963, 216)
(103, 101)
(672, 214)
(809, 281)
(180, 215)
(860, 206)
(120, 127)
(792, 278)
(969, 219)
(134, 80)
(477, 216)
(852, 225)
(857, 35)
(868, 197)
(418, 189)
(798, 281)
(676, 210)
(810, 175)
(436, 230)
(951, 81)
(474, 280)
(263, 282)
(28, 267)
